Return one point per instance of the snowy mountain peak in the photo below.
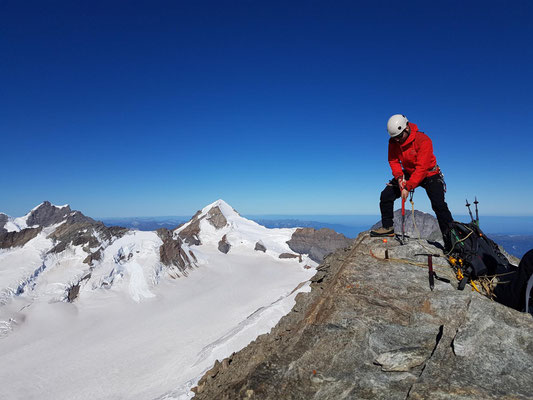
(225, 208)
(213, 222)
(44, 214)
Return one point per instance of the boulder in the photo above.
(259, 246)
(317, 243)
(223, 245)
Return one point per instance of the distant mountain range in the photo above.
(515, 244)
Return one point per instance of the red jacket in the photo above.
(414, 156)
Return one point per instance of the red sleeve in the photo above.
(423, 163)
(394, 160)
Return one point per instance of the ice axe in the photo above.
(432, 274)
(403, 220)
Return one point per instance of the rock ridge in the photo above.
(372, 328)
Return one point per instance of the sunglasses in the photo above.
(399, 137)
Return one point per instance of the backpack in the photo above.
(474, 256)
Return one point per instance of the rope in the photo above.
(405, 261)
(459, 241)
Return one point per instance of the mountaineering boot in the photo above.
(383, 232)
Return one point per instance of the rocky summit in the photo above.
(371, 328)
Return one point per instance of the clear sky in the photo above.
(145, 108)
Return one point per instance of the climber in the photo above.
(413, 164)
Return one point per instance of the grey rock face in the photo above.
(3, 219)
(81, 230)
(289, 255)
(426, 227)
(260, 247)
(172, 254)
(190, 233)
(216, 218)
(95, 256)
(47, 214)
(372, 328)
(223, 245)
(317, 243)
(18, 239)
(402, 359)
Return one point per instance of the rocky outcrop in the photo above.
(372, 328)
(94, 256)
(216, 218)
(81, 230)
(259, 246)
(18, 239)
(74, 290)
(190, 233)
(172, 254)
(425, 226)
(290, 255)
(317, 243)
(3, 220)
(223, 245)
(47, 214)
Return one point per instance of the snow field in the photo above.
(133, 332)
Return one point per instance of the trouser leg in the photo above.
(386, 205)
(435, 191)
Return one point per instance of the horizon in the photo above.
(277, 215)
(279, 108)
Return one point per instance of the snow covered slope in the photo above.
(88, 311)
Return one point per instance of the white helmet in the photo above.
(397, 123)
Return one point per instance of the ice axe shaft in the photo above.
(403, 220)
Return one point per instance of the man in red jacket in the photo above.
(413, 164)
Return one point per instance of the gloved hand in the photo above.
(402, 182)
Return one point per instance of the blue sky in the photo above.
(145, 108)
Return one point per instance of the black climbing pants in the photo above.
(434, 186)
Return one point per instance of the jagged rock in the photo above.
(74, 290)
(259, 246)
(18, 239)
(190, 233)
(80, 230)
(47, 214)
(290, 255)
(223, 245)
(317, 243)
(3, 220)
(95, 256)
(426, 227)
(216, 218)
(363, 310)
(171, 252)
